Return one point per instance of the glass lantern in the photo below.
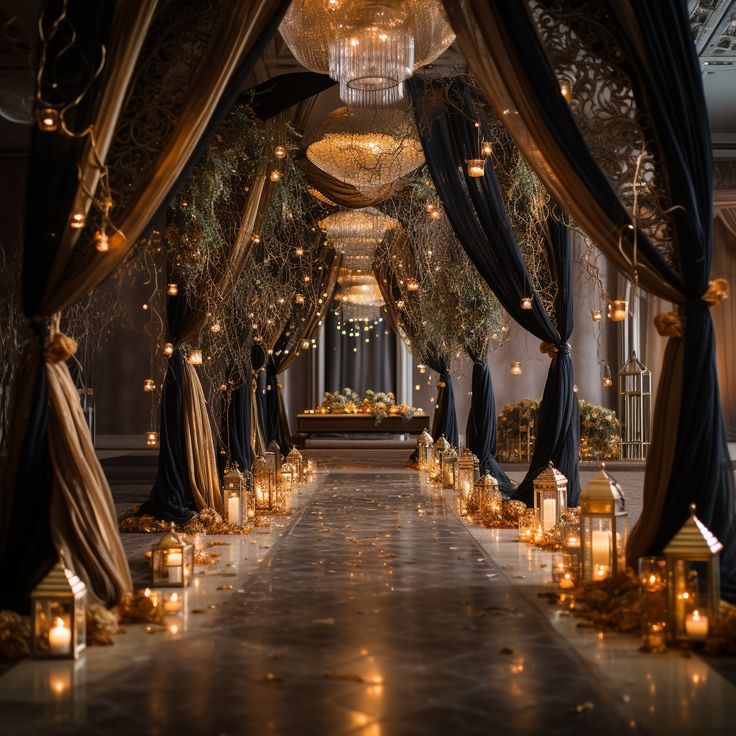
(693, 580)
(449, 468)
(288, 477)
(59, 611)
(262, 484)
(428, 451)
(440, 448)
(465, 475)
(295, 458)
(422, 452)
(603, 528)
(234, 496)
(489, 495)
(550, 496)
(172, 561)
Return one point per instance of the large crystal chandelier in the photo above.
(369, 47)
(366, 149)
(359, 297)
(356, 233)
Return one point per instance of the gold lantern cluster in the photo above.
(172, 561)
(59, 615)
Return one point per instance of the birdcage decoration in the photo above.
(59, 615)
(449, 468)
(262, 484)
(172, 561)
(603, 528)
(550, 496)
(634, 408)
(693, 576)
(235, 495)
(297, 460)
(465, 475)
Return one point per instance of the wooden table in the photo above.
(360, 423)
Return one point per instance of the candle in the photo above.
(566, 581)
(233, 510)
(549, 513)
(573, 542)
(696, 626)
(173, 562)
(60, 638)
(655, 637)
(601, 553)
(173, 604)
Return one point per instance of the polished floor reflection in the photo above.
(371, 610)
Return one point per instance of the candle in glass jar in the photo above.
(549, 513)
(566, 581)
(173, 604)
(60, 638)
(696, 626)
(233, 510)
(601, 549)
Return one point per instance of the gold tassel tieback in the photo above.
(59, 348)
(717, 291)
(669, 324)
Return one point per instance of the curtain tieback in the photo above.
(59, 348)
(717, 291)
(550, 349)
(669, 324)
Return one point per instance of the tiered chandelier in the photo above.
(370, 48)
(359, 296)
(366, 149)
(356, 233)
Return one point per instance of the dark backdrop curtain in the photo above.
(476, 210)
(372, 366)
(688, 459)
(480, 430)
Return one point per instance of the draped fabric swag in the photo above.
(510, 58)
(475, 208)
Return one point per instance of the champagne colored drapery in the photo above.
(507, 56)
(476, 210)
(57, 273)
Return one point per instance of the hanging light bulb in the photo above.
(102, 241)
(149, 386)
(400, 304)
(607, 380)
(255, 238)
(299, 300)
(422, 368)
(215, 327)
(195, 356)
(279, 152)
(516, 369)
(566, 90)
(476, 167)
(275, 175)
(617, 310)
(299, 251)
(168, 349)
(48, 120)
(526, 302)
(152, 439)
(486, 148)
(412, 285)
(597, 315)
(172, 289)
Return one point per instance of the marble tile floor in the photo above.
(371, 610)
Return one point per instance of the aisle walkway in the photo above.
(375, 614)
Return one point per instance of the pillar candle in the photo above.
(233, 510)
(173, 562)
(696, 626)
(549, 513)
(60, 638)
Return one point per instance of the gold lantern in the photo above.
(59, 611)
(172, 561)
(172, 289)
(273, 458)
(279, 151)
(486, 148)
(449, 468)
(234, 496)
(488, 495)
(262, 484)
(693, 574)
(476, 167)
(603, 528)
(149, 385)
(152, 439)
(412, 285)
(596, 315)
(288, 478)
(295, 458)
(526, 302)
(47, 119)
(550, 496)
(440, 448)
(465, 474)
(516, 369)
(425, 450)
(617, 310)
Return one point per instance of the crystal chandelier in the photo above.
(357, 230)
(369, 47)
(366, 149)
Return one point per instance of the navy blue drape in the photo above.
(444, 420)
(475, 208)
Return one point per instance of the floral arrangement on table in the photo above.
(374, 403)
(600, 430)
